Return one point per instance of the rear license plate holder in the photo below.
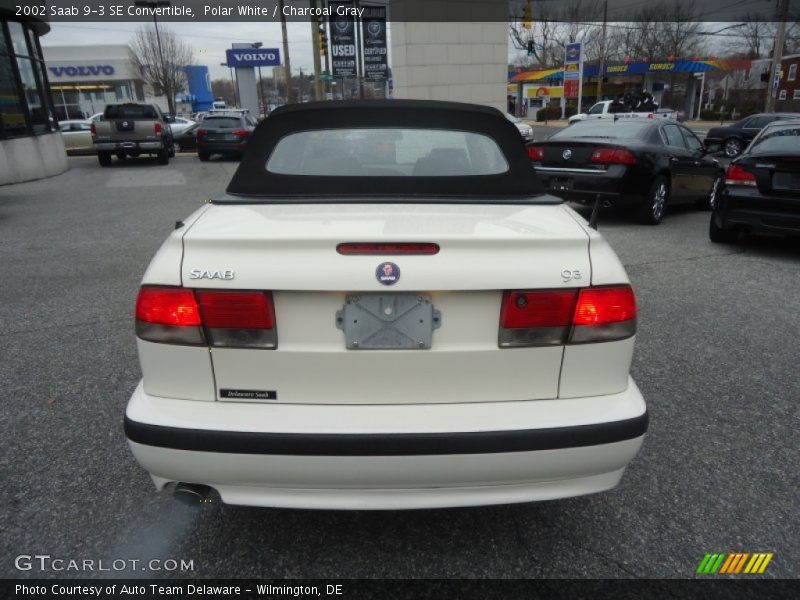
(388, 321)
(560, 184)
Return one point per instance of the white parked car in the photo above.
(178, 125)
(525, 130)
(77, 134)
(385, 310)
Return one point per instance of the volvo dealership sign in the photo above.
(82, 71)
(242, 58)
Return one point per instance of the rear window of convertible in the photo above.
(386, 152)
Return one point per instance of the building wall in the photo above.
(462, 62)
(31, 147)
(792, 88)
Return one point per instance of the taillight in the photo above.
(240, 132)
(206, 317)
(613, 156)
(202, 132)
(159, 129)
(93, 129)
(536, 153)
(370, 249)
(576, 316)
(736, 175)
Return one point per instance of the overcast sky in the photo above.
(209, 40)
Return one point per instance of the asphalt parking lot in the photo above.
(716, 360)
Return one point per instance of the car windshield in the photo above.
(222, 122)
(622, 129)
(133, 112)
(778, 139)
(386, 152)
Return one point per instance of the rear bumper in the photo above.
(616, 187)
(751, 211)
(222, 147)
(390, 456)
(128, 146)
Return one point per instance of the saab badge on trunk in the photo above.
(387, 273)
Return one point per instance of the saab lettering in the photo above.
(82, 71)
(206, 274)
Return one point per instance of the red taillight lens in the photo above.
(159, 129)
(370, 249)
(167, 306)
(537, 309)
(201, 132)
(206, 317)
(240, 132)
(536, 153)
(93, 129)
(736, 175)
(576, 316)
(601, 306)
(236, 310)
(613, 156)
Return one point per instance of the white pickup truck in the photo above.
(603, 110)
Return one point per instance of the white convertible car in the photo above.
(385, 310)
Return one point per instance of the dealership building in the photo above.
(31, 146)
(83, 79)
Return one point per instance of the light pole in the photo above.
(233, 83)
(257, 45)
(153, 4)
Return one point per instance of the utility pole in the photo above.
(287, 66)
(602, 54)
(777, 55)
(315, 46)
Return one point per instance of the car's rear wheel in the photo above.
(163, 157)
(104, 158)
(204, 156)
(655, 203)
(732, 147)
(710, 201)
(718, 235)
(172, 151)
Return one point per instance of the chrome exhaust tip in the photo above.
(192, 494)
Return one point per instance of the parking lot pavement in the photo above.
(716, 360)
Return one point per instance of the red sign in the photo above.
(571, 88)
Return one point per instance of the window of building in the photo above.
(782, 95)
(792, 72)
(25, 108)
(796, 95)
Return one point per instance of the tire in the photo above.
(122, 156)
(732, 147)
(172, 151)
(104, 158)
(204, 156)
(655, 203)
(163, 157)
(710, 201)
(718, 235)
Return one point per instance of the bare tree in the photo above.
(757, 34)
(161, 61)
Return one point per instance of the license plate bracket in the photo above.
(560, 184)
(388, 321)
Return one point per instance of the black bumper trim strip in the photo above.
(396, 444)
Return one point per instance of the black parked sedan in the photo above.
(733, 138)
(645, 165)
(225, 134)
(761, 192)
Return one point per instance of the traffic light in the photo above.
(527, 19)
(530, 47)
(323, 41)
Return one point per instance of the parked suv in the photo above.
(131, 130)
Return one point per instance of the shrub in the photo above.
(553, 113)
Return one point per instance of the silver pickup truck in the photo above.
(131, 130)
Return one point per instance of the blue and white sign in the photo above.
(573, 53)
(82, 71)
(253, 57)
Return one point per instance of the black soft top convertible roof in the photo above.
(252, 180)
